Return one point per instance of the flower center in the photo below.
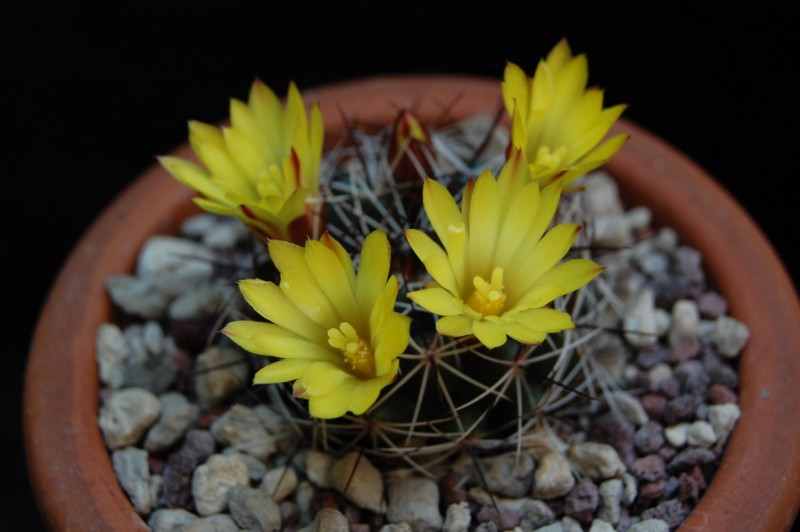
(488, 298)
(550, 159)
(357, 353)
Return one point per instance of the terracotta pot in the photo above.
(757, 486)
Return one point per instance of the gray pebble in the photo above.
(553, 478)
(598, 461)
(133, 472)
(174, 265)
(610, 493)
(690, 457)
(112, 354)
(240, 428)
(359, 481)
(457, 517)
(582, 501)
(729, 336)
(509, 474)
(136, 296)
(170, 519)
(649, 438)
(413, 500)
(177, 415)
(213, 523)
(253, 509)
(126, 416)
(220, 371)
(599, 525)
(649, 525)
(701, 434)
(279, 482)
(723, 418)
(213, 480)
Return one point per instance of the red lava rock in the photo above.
(672, 511)
(290, 513)
(719, 394)
(653, 404)
(682, 408)
(176, 484)
(712, 305)
(582, 501)
(649, 468)
(452, 489)
(650, 491)
(617, 432)
(156, 464)
(208, 417)
(684, 351)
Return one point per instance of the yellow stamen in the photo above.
(488, 298)
(357, 353)
(550, 159)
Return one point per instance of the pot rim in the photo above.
(70, 468)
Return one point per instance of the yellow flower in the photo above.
(336, 330)
(499, 265)
(556, 120)
(263, 169)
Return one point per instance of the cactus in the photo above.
(483, 378)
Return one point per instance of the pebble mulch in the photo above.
(196, 450)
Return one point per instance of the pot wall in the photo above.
(757, 486)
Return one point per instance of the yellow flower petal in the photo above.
(456, 326)
(270, 302)
(332, 404)
(490, 334)
(437, 300)
(269, 339)
(281, 371)
(319, 378)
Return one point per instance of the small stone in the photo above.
(126, 415)
(413, 500)
(723, 418)
(174, 265)
(318, 468)
(676, 434)
(240, 428)
(672, 511)
(137, 297)
(649, 438)
(112, 354)
(649, 525)
(509, 474)
(213, 480)
(685, 322)
(133, 473)
(212, 523)
(359, 481)
(197, 446)
(660, 372)
(170, 519)
(570, 525)
(279, 482)
(177, 415)
(647, 358)
(693, 377)
(582, 501)
(681, 408)
(653, 404)
(630, 408)
(729, 336)
(205, 300)
(553, 478)
(598, 461)
(639, 321)
(688, 264)
(649, 468)
(219, 372)
(701, 434)
(610, 493)
(719, 394)
(690, 457)
(328, 520)
(253, 509)
(712, 305)
(614, 430)
(630, 489)
(599, 525)
(457, 518)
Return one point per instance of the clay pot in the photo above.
(757, 486)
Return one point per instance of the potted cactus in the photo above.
(423, 305)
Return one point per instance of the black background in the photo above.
(90, 97)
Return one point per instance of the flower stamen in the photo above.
(550, 158)
(357, 353)
(488, 298)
